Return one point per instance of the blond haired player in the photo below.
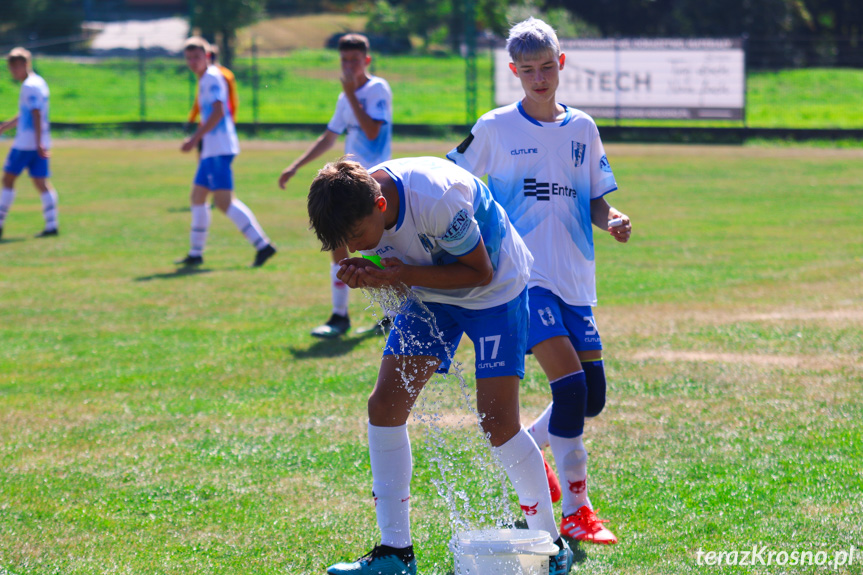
(547, 167)
(32, 145)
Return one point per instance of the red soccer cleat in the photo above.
(583, 525)
(553, 483)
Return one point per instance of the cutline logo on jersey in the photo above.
(382, 251)
(579, 150)
(523, 151)
(543, 191)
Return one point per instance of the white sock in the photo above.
(523, 465)
(49, 209)
(390, 451)
(571, 458)
(245, 221)
(340, 292)
(539, 428)
(7, 196)
(200, 226)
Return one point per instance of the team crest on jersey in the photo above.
(578, 152)
(604, 165)
(546, 317)
(426, 242)
(458, 227)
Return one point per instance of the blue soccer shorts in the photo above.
(214, 173)
(550, 317)
(17, 160)
(499, 335)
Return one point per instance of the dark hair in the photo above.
(341, 195)
(354, 42)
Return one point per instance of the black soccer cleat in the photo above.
(336, 326)
(46, 233)
(190, 261)
(263, 255)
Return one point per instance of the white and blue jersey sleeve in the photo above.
(444, 214)
(34, 97)
(222, 139)
(545, 176)
(376, 99)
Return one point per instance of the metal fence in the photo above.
(789, 85)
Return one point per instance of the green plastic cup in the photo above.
(375, 259)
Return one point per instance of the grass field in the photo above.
(164, 423)
(302, 88)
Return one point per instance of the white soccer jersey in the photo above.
(222, 139)
(443, 213)
(545, 175)
(377, 100)
(34, 96)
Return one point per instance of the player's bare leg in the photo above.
(339, 322)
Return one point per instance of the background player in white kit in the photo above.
(365, 110)
(214, 173)
(547, 167)
(31, 148)
(438, 230)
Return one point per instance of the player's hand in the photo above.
(391, 274)
(287, 174)
(353, 272)
(189, 144)
(349, 85)
(43, 152)
(622, 232)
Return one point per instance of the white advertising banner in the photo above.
(644, 78)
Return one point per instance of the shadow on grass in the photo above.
(11, 240)
(179, 273)
(335, 347)
(176, 210)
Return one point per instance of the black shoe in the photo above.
(190, 261)
(263, 255)
(336, 326)
(48, 233)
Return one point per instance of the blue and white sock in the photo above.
(50, 211)
(201, 218)
(7, 196)
(245, 221)
(390, 452)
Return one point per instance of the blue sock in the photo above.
(569, 399)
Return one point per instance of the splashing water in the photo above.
(476, 493)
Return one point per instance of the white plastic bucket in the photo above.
(502, 552)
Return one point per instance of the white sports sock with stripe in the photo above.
(7, 196)
(390, 452)
(245, 221)
(522, 462)
(571, 458)
(201, 218)
(539, 428)
(50, 211)
(340, 290)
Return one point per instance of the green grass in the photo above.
(154, 422)
(302, 88)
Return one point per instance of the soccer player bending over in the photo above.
(365, 110)
(547, 167)
(439, 232)
(32, 142)
(220, 145)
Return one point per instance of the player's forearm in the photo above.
(324, 142)
(600, 212)
(450, 276)
(211, 122)
(370, 127)
(37, 127)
